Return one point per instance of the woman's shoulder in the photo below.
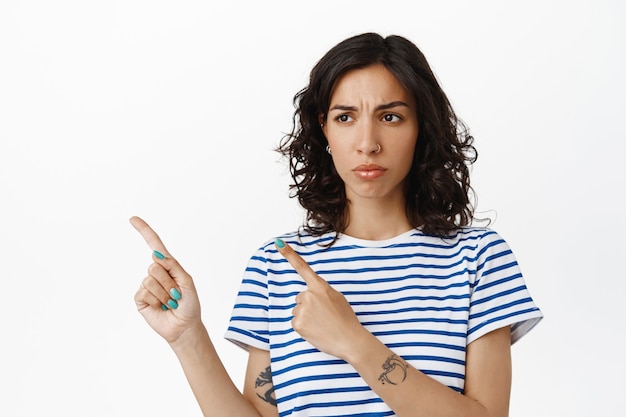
(477, 232)
(467, 238)
(460, 234)
(484, 240)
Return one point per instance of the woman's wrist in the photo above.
(360, 348)
(191, 339)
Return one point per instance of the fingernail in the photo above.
(172, 304)
(175, 294)
(158, 254)
(163, 307)
(279, 243)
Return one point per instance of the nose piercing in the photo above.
(379, 148)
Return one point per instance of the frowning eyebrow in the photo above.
(385, 106)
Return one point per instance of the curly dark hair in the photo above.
(438, 184)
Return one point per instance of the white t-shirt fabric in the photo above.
(423, 296)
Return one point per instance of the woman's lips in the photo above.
(369, 171)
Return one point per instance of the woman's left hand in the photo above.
(322, 315)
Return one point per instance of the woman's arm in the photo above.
(409, 392)
(168, 301)
(212, 386)
(258, 386)
(214, 390)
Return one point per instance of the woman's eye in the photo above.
(391, 118)
(343, 118)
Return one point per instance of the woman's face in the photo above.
(372, 129)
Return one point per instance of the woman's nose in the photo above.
(368, 139)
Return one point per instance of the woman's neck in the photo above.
(377, 219)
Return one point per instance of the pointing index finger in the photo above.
(152, 239)
(299, 264)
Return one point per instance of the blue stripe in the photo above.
(254, 282)
(371, 269)
(326, 377)
(381, 414)
(491, 258)
(490, 245)
(422, 320)
(256, 270)
(282, 332)
(434, 359)
(251, 294)
(250, 319)
(284, 295)
(420, 331)
(427, 344)
(249, 334)
(280, 319)
(252, 306)
(361, 388)
(500, 268)
(409, 277)
(446, 374)
(510, 291)
(334, 404)
(283, 308)
(287, 343)
(500, 281)
(408, 288)
(258, 258)
(404, 310)
(308, 365)
(292, 354)
(286, 283)
(499, 308)
(412, 298)
(501, 318)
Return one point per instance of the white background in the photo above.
(170, 110)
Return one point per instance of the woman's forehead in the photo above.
(372, 84)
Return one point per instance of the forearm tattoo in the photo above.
(264, 381)
(394, 370)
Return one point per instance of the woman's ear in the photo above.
(321, 119)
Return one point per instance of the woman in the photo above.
(385, 302)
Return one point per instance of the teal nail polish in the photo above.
(172, 304)
(163, 307)
(175, 294)
(158, 254)
(279, 243)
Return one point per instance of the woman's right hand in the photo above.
(167, 297)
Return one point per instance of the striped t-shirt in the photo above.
(424, 297)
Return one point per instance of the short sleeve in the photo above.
(499, 296)
(249, 322)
